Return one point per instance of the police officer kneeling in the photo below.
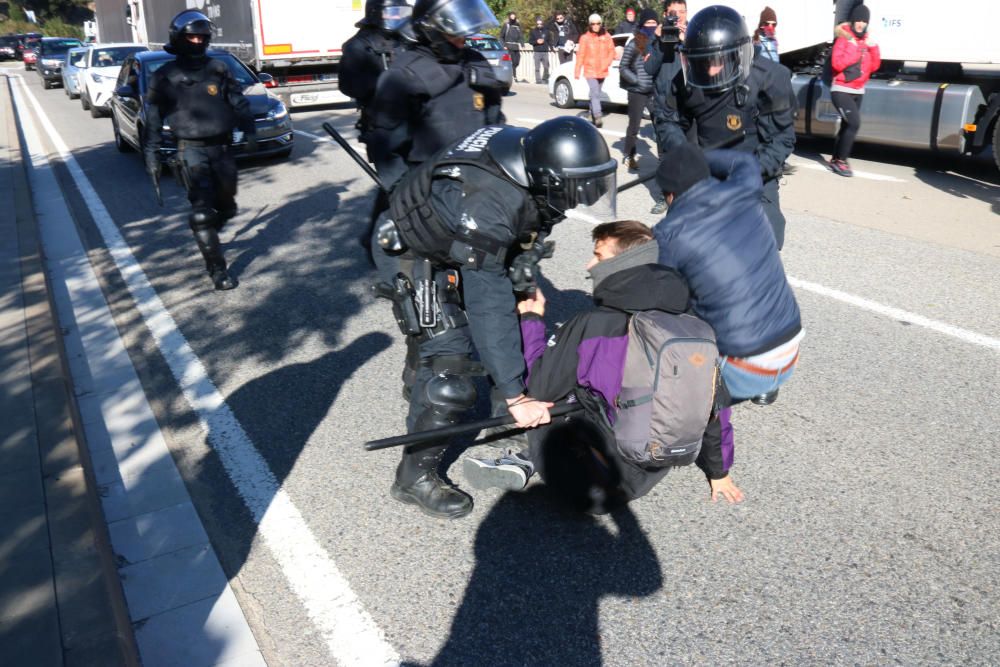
(736, 99)
(452, 232)
(202, 103)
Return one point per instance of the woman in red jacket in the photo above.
(854, 59)
(594, 57)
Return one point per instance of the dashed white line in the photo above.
(897, 314)
(350, 633)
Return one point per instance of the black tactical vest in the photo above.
(197, 105)
(423, 230)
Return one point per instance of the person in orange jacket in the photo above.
(855, 57)
(594, 56)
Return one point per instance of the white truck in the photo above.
(298, 42)
(939, 85)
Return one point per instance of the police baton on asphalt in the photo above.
(363, 163)
(731, 141)
(459, 429)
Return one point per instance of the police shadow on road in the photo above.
(541, 571)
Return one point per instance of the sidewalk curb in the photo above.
(33, 265)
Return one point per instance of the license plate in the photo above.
(318, 97)
(493, 61)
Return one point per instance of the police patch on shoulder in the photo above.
(478, 101)
(734, 122)
(212, 89)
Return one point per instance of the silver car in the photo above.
(499, 58)
(76, 59)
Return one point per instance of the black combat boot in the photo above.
(417, 483)
(765, 399)
(215, 263)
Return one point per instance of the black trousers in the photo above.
(849, 107)
(636, 103)
(772, 207)
(209, 174)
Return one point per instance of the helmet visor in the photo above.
(199, 27)
(394, 17)
(718, 70)
(462, 18)
(591, 193)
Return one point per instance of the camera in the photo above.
(670, 33)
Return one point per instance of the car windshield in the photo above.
(112, 56)
(8, 41)
(483, 43)
(58, 47)
(236, 68)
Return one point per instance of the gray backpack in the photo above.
(668, 389)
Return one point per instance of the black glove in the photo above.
(524, 269)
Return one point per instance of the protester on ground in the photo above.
(717, 235)
(586, 359)
(593, 58)
(853, 60)
(765, 37)
(541, 45)
(637, 81)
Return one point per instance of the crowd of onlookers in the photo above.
(646, 74)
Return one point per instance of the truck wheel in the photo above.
(563, 93)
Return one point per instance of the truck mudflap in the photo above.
(904, 114)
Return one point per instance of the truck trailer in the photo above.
(297, 42)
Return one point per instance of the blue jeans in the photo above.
(595, 96)
(743, 383)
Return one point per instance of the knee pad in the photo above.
(202, 219)
(450, 393)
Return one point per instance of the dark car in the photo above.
(51, 56)
(8, 47)
(128, 107)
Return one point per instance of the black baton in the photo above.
(363, 163)
(459, 429)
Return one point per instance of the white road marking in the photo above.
(897, 314)
(870, 175)
(350, 633)
(536, 121)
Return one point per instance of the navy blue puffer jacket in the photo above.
(718, 237)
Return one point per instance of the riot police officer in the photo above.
(203, 104)
(436, 90)
(734, 98)
(369, 53)
(451, 238)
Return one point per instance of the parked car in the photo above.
(51, 55)
(8, 47)
(73, 66)
(567, 91)
(29, 57)
(102, 64)
(499, 58)
(129, 112)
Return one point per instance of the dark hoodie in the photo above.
(588, 351)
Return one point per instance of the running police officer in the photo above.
(201, 102)
(726, 91)
(436, 90)
(369, 53)
(451, 239)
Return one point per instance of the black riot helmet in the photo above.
(189, 22)
(386, 15)
(717, 52)
(433, 22)
(569, 167)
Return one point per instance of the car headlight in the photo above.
(277, 111)
(51, 63)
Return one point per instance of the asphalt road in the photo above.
(870, 532)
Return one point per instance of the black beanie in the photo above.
(860, 13)
(682, 167)
(647, 15)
